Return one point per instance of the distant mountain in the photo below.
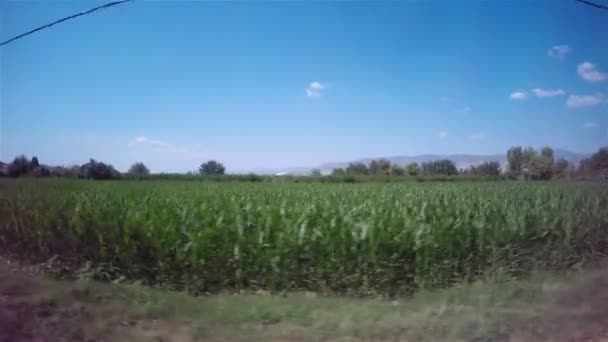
(573, 157)
(462, 161)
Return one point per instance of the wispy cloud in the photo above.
(590, 124)
(465, 109)
(547, 92)
(442, 134)
(315, 89)
(558, 51)
(589, 72)
(518, 95)
(143, 140)
(575, 101)
(477, 136)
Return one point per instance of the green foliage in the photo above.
(413, 169)
(595, 166)
(357, 169)
(489, 168)
(139, 169)
(212, 167)
(366, 238)
(515, 159)
(338, 172)
(34, 162)
(531, 164)
(98, 170)
(440, 167)
(397, 170)
(20, 166)
(380, 167)
(315, 173)
(560, 168)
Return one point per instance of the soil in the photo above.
(32, 310)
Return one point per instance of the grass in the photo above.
(542, 307)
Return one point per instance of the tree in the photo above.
(529, 169)
(397, 170)
(488, 168)
(20, 166)
(545, 163)
(516, 160)
(357, 169)
(380, 167)
(413, 169)
(212, 167)
(596, 165)
(139, 169)
(560, 168)
(338, 172)
(98, 170)
(315, 173)
(34, 163)
(599, 160)
(440, 167)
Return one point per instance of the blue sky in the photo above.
(278, 84)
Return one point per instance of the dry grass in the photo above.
(570, 307)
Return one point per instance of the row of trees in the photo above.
(383, 167)
(522, 163)
(530, 164)
(208, 168)
(22, 166)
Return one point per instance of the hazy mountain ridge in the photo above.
(462, 161)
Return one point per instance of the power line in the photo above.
(110, 4)
(593, 4)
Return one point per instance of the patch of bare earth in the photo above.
(575, 313)
(32, 309)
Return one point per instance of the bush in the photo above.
(212, 167)
(489, 168)
(98, 170)
(139, 169)
(440, 167)
(19, 167)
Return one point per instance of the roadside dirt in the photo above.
(32, 308)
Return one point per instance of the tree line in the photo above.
(522, 163)
(93, 169)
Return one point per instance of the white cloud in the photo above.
(316, 86)
(558, 51)
(575, 101)
(477, 136)
(588, 72)
(518, 95)
(315, 89)
(146, 140)
(465, 109)
(590, 124)
(442, 134)
(547, 92)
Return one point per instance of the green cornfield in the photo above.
(362, 239)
